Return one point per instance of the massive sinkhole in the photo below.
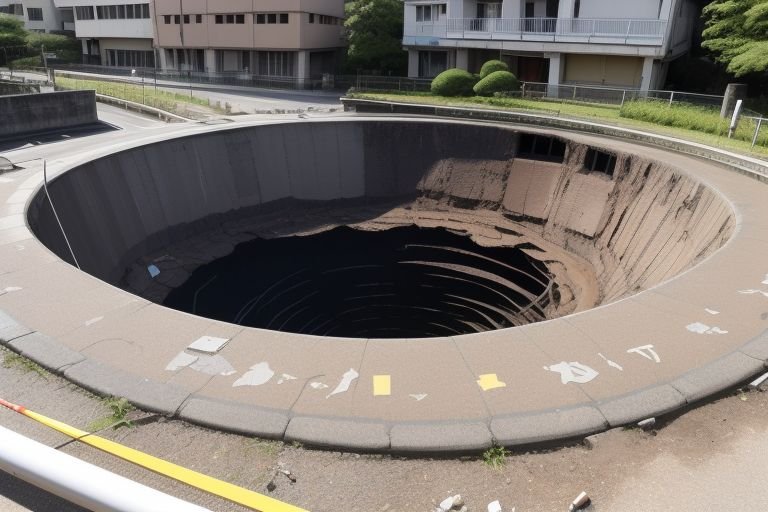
(405, 282)
(379, 228)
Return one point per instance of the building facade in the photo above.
(278, 38)
(39, 15)
(113, 34)
(612, 43)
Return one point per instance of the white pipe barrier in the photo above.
(80, 482)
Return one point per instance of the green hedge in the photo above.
(453, 82)
(498, 81)
(491, 67)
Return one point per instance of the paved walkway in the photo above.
(674, 344)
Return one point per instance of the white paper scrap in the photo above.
(259, 374)
(346, 381)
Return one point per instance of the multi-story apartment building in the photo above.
(114, 33)
(39, 15)
(284, 38)
(623, 43)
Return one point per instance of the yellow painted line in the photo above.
(206, 483)
(382, 385)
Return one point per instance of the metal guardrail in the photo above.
(561, 28)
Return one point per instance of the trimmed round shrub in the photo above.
(498, 81)
(453, 82)
(491, 67)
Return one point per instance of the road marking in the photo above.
(490, 381)
(382, 385)
(206, 483)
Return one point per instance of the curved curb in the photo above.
(461, 436)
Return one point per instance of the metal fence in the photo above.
(612, 95)
(327, 82)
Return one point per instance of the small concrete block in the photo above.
(757, 347)
(337, 433)
(640, 405)
(717, 376)
(547, 426)
(443, 437)
(10, 328)
(594, 440)
(235, 417)
(109, 381)
(46, 351)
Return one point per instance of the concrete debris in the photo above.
(208, 344)
(450, 503)
(647, 424)
(581, 501)
(755, 384)
(495, 506)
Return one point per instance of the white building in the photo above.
(39, 15)
(622, 43)
(113, 34)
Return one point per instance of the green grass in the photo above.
(147, 95)
(495, 457)
(679, 122)
(19, 362)
(690, 117)
(120, 407)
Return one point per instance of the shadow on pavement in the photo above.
(33, 498)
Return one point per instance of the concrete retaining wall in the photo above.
(637, 227)
(29, 113)
(10, 87)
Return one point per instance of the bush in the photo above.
(27, 62)
(498, 81)
(491, 67)
(453, 82)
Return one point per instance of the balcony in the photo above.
(563, 30)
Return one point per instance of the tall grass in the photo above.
(146, 94)
(690, 117)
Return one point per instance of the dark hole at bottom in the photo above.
(406, 282)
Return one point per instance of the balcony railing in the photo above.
(554, 29)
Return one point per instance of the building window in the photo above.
(131, 58)
(276, 63)
(229, 19)
(119, 12)
(491, 10)
(576, 8)
(432, 64)
(186, 19)
(198, 18)
(311, 18)
(84, 13)
(176, 19)
(260, 19)
(271, 19)
(167, 19)
(35, 13)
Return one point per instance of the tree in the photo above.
(65, 48)
(12, 33)
(737, 34)
(375, 33)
